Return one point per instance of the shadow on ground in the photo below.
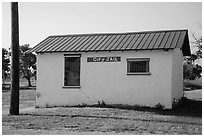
(186, 107)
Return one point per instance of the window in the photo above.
(138, 66)
(72, 71)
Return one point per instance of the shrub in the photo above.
(101, 104)
(159, 106)
(181, 103)
(47, 105)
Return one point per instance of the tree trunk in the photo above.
(28, 78)
(29, 82)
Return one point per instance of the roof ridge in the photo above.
(116, 33)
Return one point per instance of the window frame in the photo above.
(138, 60)
(72, 55)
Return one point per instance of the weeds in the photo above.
(159, 106)
(182, 107)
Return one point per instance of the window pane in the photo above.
(72, 71)
(138, 66)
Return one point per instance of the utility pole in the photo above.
(14, 103)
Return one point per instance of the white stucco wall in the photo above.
(107, 81)
(177, 75)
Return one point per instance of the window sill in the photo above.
(141, 73)
(71, 87)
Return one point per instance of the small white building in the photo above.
(137, 68)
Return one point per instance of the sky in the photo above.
(38, 20)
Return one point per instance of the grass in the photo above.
(102, 118)
(105, 119)
(192, 84)
(98, 121)
(27, 96)
(22, 86)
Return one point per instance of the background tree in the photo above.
(27, 63)
(191, 70)
(198, 44)
(5, 64)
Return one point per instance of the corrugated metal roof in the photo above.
(149, 40)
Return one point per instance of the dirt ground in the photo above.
(90, 120)
(97, 121)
